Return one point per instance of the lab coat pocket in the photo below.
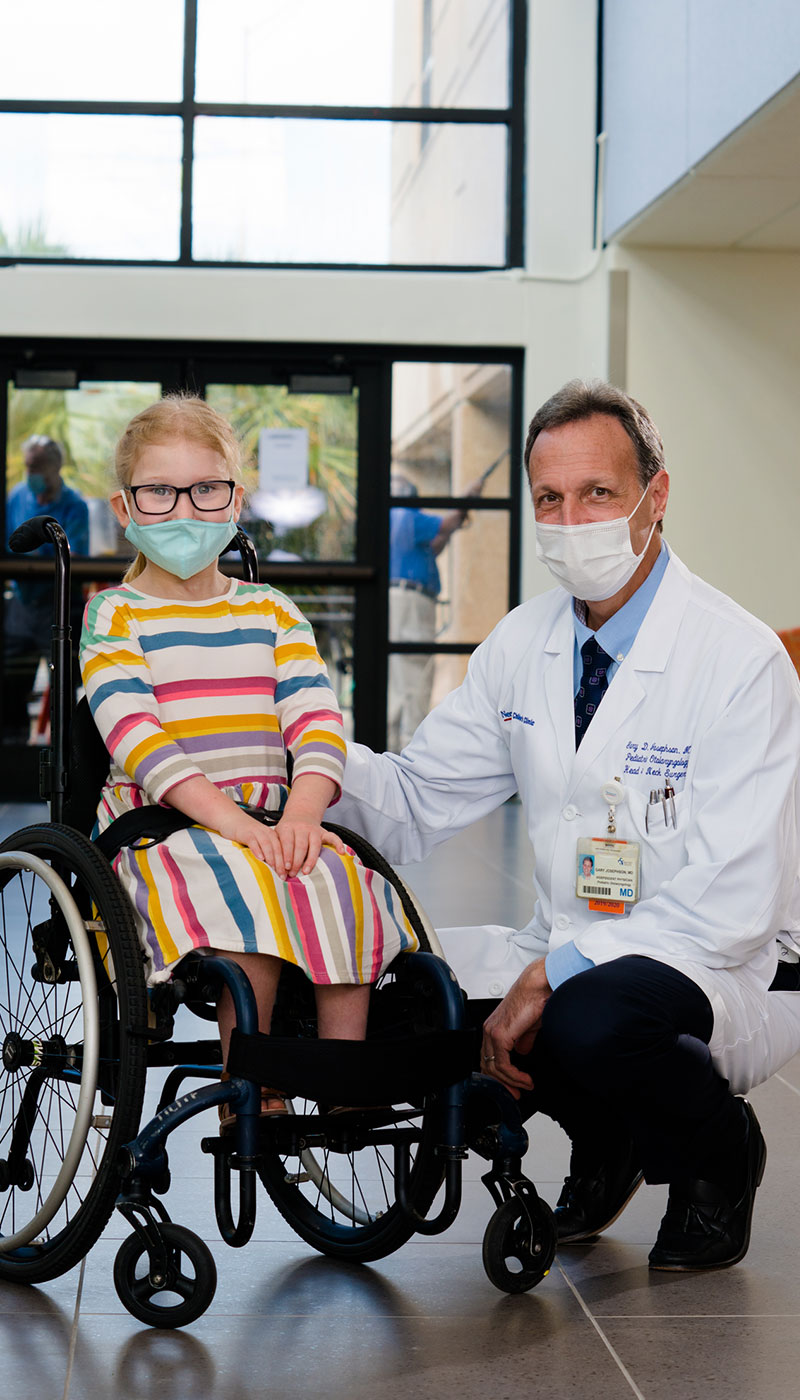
(657, 822)
(660, 830)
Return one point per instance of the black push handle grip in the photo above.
(31, 533)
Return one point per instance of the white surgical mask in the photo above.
(592, 561)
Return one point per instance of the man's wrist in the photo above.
(535, 976)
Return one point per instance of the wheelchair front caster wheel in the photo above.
(516, 1253)
(186, 1289)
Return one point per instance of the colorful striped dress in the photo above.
(224, 687)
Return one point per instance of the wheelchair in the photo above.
(80, 1030)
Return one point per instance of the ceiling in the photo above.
(743, 194)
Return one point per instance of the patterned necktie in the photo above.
(593, 686)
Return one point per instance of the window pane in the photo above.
(314, 517)
(417, 682)
(451, 428)
(86, 423)
(330, 612)
(448, 573)
(92, 51)
(348, 192)
(465, 592)
(85, 187)
(358, 53)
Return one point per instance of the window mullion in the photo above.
(188, 115)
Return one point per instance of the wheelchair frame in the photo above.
(80, 1031)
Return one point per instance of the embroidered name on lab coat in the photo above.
(652, 760)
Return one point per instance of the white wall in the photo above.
(713, 352)
(678, 78)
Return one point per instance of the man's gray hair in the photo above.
(583, 398)
(46, 447)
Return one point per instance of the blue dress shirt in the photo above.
(72, 513)
(411, 534)
(69, 509)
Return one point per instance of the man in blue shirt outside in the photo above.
(416, 539)
(28, 613)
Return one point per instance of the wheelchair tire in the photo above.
(187, 1288)
(517, 1256)
(342, 1202)
(42, 1026)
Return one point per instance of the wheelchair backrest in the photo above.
(87, 769)
(87, 756)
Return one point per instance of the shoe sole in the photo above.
(588, 1236)
(736, 1258)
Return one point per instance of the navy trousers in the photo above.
(623, 1051)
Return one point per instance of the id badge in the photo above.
(607, 874)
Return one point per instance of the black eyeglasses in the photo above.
(160, 499)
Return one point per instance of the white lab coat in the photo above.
(707, 699)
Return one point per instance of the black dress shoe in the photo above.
(702, 1228)
(596, 1191)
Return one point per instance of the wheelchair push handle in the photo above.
(40, 529)
(45, 529)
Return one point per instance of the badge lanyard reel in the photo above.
(607, 868)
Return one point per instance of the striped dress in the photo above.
(224, 687)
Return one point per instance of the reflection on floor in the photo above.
(426, 1322)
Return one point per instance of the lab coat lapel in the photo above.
(625, 692)
(558, 683)
(649, 653)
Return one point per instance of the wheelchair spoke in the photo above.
(381, 1163)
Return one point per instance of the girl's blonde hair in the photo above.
(175, 418)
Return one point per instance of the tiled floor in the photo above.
(426, 1322)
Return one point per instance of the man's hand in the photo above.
(513, 1026)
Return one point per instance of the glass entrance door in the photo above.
(312, 519)
(302, 499)
(335, 443)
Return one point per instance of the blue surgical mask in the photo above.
(182, 547)
(37, 483)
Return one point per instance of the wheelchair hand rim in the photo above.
(91, 1047)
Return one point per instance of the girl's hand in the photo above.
(289, 848)
(292, 846)
(262, 840)
(301, 842)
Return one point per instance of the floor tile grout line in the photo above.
(73, 1339)
(786, 1083)
(601, 1334)
(695, 1317)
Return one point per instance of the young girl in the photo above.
(199, 685)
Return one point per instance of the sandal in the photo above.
(273, 1104)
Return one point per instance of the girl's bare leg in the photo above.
(342, 1012)
(263, 971)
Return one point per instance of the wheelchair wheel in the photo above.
(339, 1195)
(73, 1013)
(516, 1255)
(182, 1294)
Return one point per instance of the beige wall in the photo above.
(714, 353)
